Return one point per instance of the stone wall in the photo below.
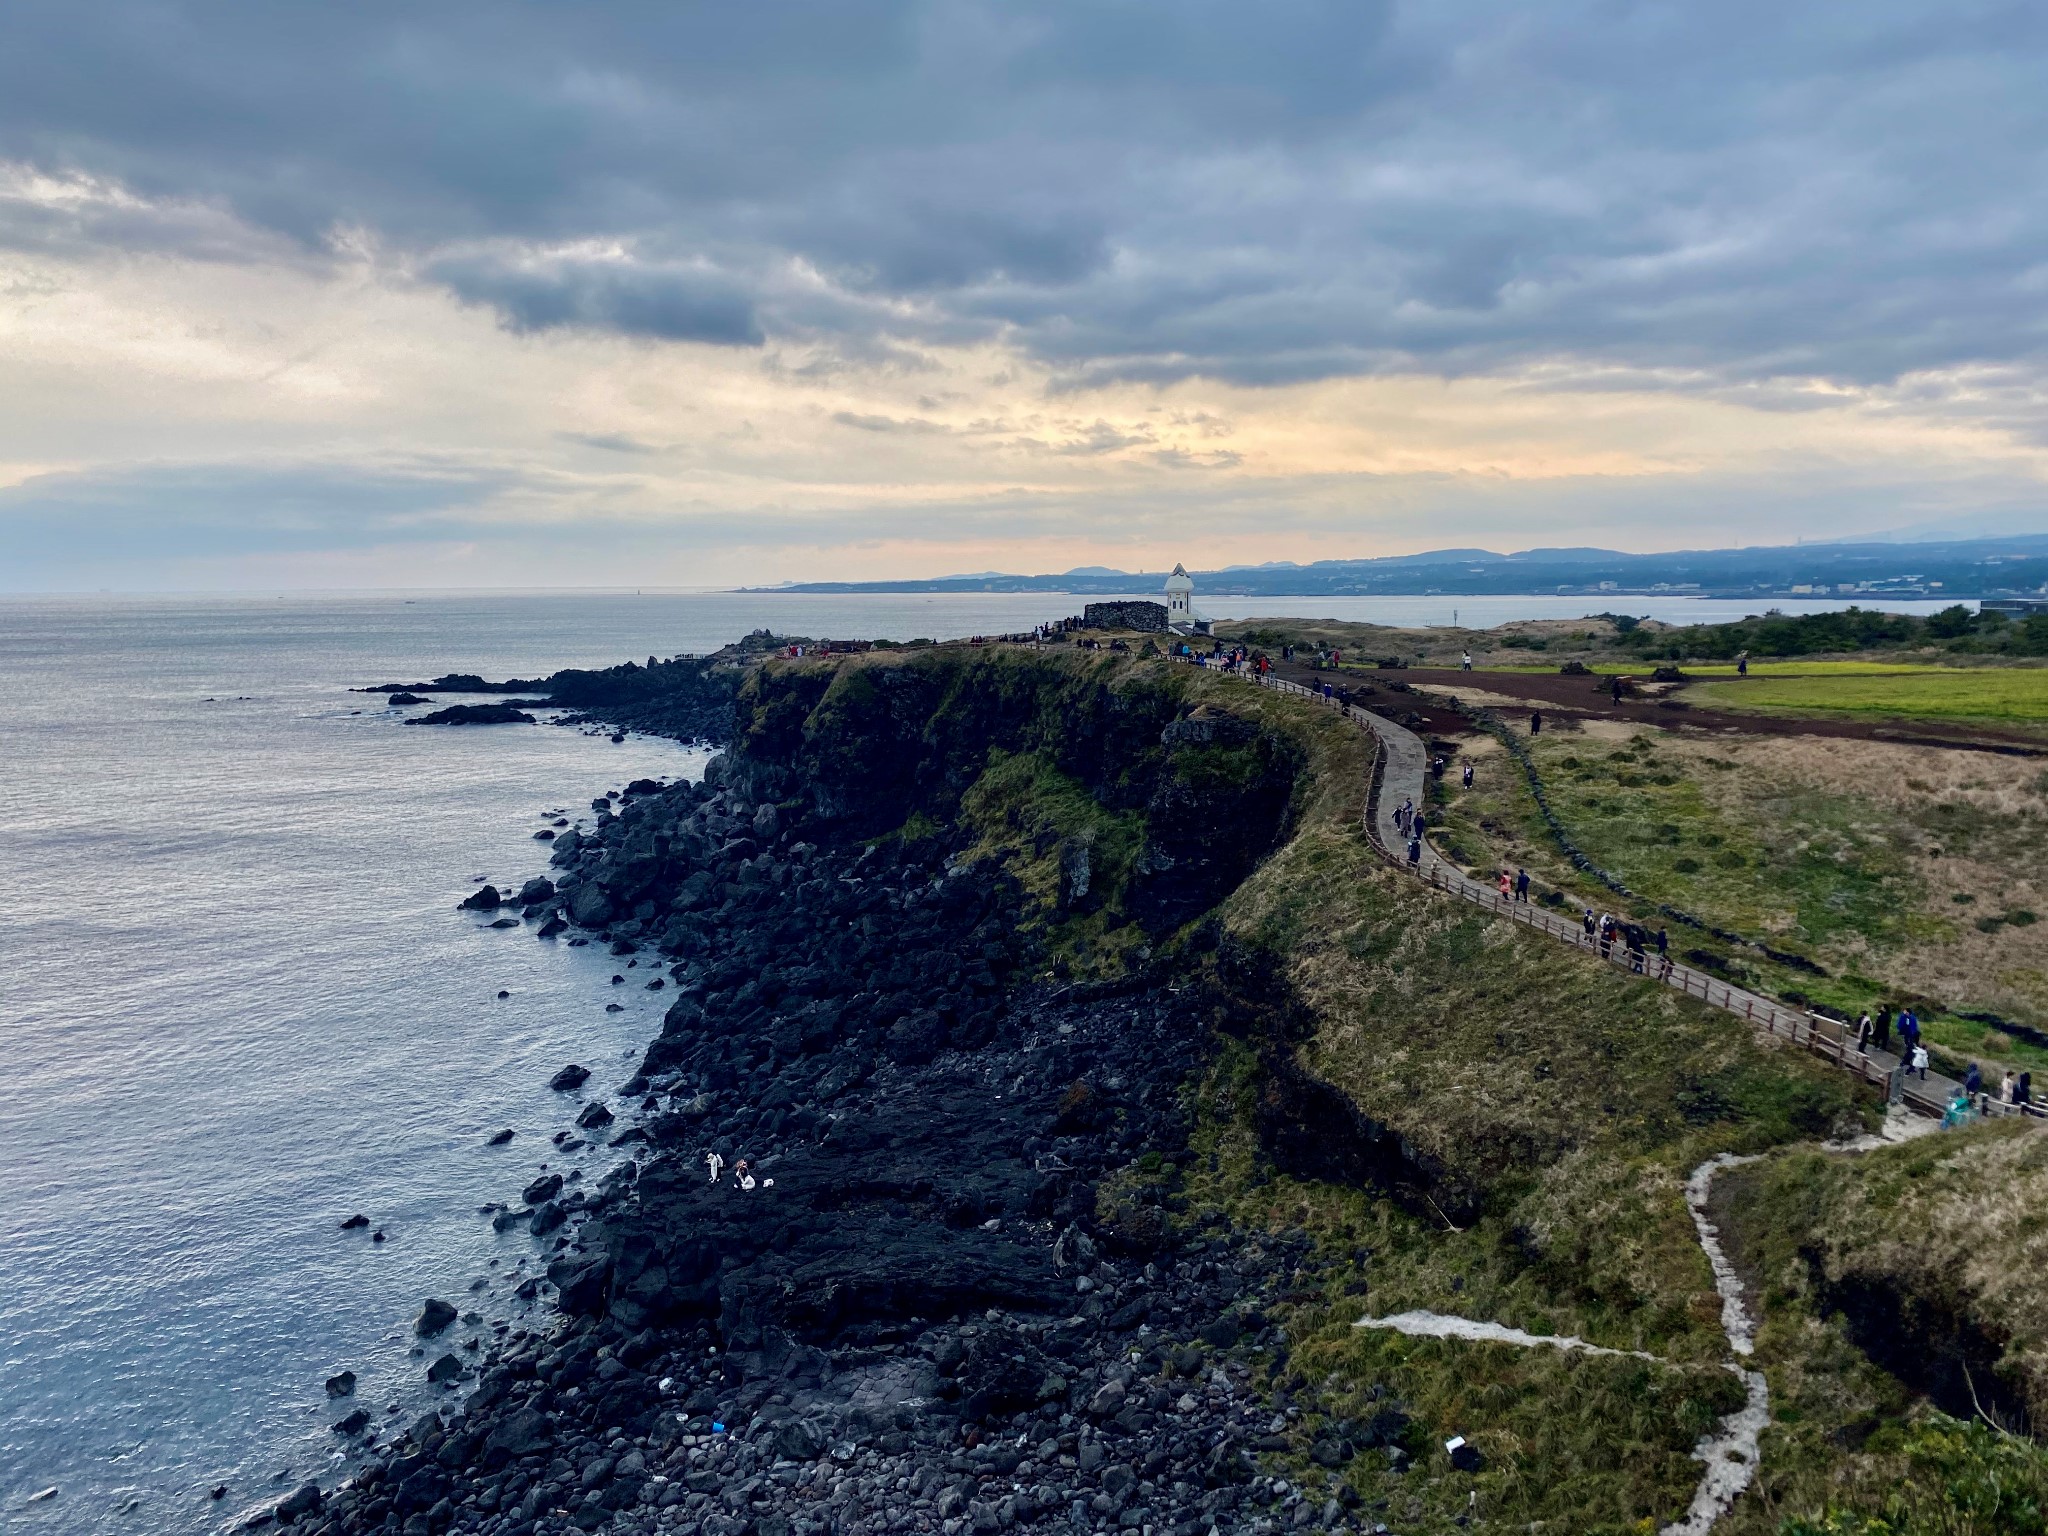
(1150, 617)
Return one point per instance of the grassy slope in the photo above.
(1905, 871)
(1564, 1102)
(1955, 1224)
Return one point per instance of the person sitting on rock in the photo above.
(741, 1175)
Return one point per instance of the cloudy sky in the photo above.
(539, 292)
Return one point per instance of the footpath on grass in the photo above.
(1401, 774)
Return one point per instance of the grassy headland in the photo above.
(1530, 1118)
(1420, 1107)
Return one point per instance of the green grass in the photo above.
(1640, 668)
(2007, 695)
(1823, 875)
(1550, 1110)
(1595, 1444)
(1945, 1226)
(1026, 812)
(1940, 1477)
(1806, 870)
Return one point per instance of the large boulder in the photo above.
(446, 1369)
(305, 1500)
(525, 1433)
(569, 1078)
(589, 906)
(916, 1039)
(435, 1317)
(582, 1282)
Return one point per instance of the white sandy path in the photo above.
(1435, 1325)
(1730, 1454)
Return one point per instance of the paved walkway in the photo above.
(1401, 773)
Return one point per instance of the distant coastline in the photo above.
(1961, 570)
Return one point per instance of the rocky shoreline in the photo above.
(962, 1293)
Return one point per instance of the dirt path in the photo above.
(1588, 698)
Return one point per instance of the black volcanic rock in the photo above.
(947, 1256)
(435, 1317)
(569, 1078)
(476, 714)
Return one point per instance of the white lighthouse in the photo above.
(1180, 600)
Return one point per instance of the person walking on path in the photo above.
(1415, 853)
(1468, 775)
(1521, 884)
(1919, 1059)
(1468, 661)
(1587, 923)
(1535, 722)
(1973, 1081)
(1884, 1029)
(1958, 1111)
(2024, 1093)
(2005, 1088)
(1663, 955)
(1507, 885)
(1328, 692)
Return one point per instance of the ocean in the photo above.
(238, 1004)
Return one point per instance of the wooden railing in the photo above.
(1830, 1039)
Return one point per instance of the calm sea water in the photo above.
(237, 1003)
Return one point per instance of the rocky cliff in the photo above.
(934, 928)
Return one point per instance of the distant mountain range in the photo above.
(1960, 568)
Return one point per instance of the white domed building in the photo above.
(1180, 604)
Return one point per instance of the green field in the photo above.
(1762, 668)
(2004, 694)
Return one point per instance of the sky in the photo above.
(677, 293)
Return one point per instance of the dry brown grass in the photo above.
(1959, 1220)
(1968, 824)
(1916, 869)
(1437, 644)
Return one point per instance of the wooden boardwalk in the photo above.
(1401, 773)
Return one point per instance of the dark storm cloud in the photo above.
(1138, 188)
(674, 302)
